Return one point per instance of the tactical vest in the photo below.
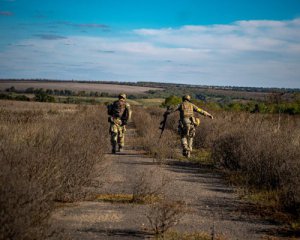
(118, 109)
(187, 109)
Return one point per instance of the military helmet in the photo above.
(186, 97)
(122, 95)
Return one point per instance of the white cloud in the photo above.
(251, 53)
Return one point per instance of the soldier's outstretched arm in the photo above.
(201, 111)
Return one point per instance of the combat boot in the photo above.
(114, 149)
(120, 149)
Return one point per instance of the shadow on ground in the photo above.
(120, 233)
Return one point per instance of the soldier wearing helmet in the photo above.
(119, 114)
(188, 123)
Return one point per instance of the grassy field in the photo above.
(75, 86)
(95, 100)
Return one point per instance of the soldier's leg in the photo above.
(121, 137)
(184, 144)
(191, 138)
(190, 143)
(188, 140)
(182, 130)
(114, 137)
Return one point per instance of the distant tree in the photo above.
(11, 89)
(5, 96)
(29, 90)
(49, 91)
(22, 98)
(235, 107)
(104, 94)
(81, 93)
(42, 96)
(131, 96)
(200, 96)
(68, 92)
(151, 91)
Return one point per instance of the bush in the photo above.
(147, 122)
(42, 96)
(171, 101)
(263, 149)
(45, 157)
(165, 214)
(22, 98)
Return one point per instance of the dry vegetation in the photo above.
(48, 153)
(147, 122)
(262, 150)
(150, 186)
(165, 214)
(259, 151)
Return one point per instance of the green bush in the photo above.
(42, 96)
(171, 101)
(22, 98)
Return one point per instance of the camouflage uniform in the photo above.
(120, 114)
(187, 123)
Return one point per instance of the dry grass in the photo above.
(164, 214)
(47, 154)
(263, 149)
(147, 121)
(150, 186)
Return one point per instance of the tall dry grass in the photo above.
(147, 121)
(47, 155)
(262, 148)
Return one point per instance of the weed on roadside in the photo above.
(164, 214)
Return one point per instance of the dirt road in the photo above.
(211, 203)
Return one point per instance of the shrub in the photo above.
(147, 122)
(149, 186)
(262, 148)
(165, 214)
(22, 98)
(172, 100)
(42, 96)
(45, 157)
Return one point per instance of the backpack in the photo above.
(118, 109)
(109, 109)
(187, 109)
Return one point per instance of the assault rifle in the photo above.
(164, 121)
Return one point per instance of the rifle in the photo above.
(163, 122)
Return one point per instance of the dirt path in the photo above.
(210, 201)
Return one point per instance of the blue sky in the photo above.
(241, 43)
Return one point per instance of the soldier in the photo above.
(119, 114)
(187, 123)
